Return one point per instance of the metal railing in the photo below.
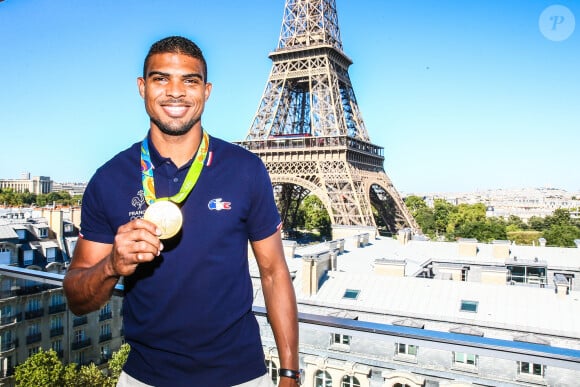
(483, 346)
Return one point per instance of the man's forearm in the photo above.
(283, 317)
(88, 289)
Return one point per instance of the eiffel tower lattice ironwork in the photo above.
(309, 132)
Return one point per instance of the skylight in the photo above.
(351, 294)
(469, 306)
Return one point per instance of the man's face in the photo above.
(174, 92)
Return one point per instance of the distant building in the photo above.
(36, 184)
(73, 189)
(523, 203)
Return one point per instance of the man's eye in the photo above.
(159, 79)
(192, 81)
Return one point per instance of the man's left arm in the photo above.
(280, 300)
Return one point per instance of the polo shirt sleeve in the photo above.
(94, 224)
(264, 218)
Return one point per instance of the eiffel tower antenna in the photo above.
(309, 132)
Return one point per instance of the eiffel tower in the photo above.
(309, 132)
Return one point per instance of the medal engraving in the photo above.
(167, 216)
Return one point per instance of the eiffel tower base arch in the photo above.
(349, 190)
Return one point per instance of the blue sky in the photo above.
(462, 95)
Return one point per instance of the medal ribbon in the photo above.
(190, 178)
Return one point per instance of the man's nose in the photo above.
(175, 88)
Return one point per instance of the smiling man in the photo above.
(149, 216)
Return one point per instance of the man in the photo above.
(188, 293)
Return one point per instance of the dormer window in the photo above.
(43, 232)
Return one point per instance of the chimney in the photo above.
(542, 242)
(561, 285)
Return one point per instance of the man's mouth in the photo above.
(175, 111)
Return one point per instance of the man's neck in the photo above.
(180, 149)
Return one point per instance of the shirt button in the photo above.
(175, 179)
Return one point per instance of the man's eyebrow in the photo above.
(184, 76)
(151, 73)
(193, 75)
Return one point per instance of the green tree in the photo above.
(515, 223)
(41, 369)
(10, 198)
(45, 369)
(562, 235)
(462, 215)
(483, 230)
(89, 376)
(441, 212)
(315, 216)
(415, 204)
(424, 216)
(117, 362)
(536, 223)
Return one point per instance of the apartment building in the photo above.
(522, 294)
(34, 315)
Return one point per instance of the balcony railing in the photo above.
(81, 320)
(33, 338)
(58, 308)
(79, 344)
(482, 346)
(57, 331)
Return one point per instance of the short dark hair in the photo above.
(176, 45)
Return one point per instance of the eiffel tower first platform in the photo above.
(309, 132)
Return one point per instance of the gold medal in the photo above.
(166, 215)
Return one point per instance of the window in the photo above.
(56, 299)
(526, 368)
(33, 305)
(80, 357)
(6, 312)
(33, 350)
(43, 232)
(105, 312)
(79, 336)
(33, 329)
(351, 294)
(6, 341)
(322, 379)
(340, 342)
(272, 371)
(105, 329)
(338, 338)
(51, 254)
(464, 359)
(56, 346)
(106, 352)
(469, 306)
(350, 381)
(56, 322)
(4, 255)
(405, 349)
(28, 257)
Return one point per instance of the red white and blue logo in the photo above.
(218, 205)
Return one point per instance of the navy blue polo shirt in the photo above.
(187, 314)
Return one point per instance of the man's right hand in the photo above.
(136, 242)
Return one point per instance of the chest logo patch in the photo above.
(218, 205)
